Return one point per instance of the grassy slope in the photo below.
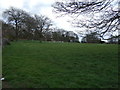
(34, 64)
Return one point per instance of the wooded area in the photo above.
(103, 21)
(21, 25)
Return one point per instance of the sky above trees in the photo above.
(38, 7)
(44, 7)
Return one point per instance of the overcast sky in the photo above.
(38, 7)
(41, 7)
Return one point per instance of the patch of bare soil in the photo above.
(5, 84)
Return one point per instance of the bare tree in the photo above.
(43, 24)
(25, 25)
(14, 17)
(100, 15)
(28, 25)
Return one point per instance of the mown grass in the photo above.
(31, 64)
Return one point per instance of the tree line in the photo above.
(19, 24)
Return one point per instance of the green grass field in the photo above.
(31, 64)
